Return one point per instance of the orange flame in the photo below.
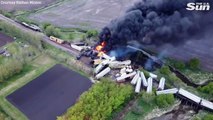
(99, 49)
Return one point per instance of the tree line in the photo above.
(10, 68)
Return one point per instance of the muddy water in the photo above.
(181, 112)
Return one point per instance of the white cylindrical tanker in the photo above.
(101, 66)
(153, 76)
(135, 79)
(78, 48)
(103, 73)
(121, 78)
(161, 83)
(119, 64)
(149, 88)
(144, 79)
(138, 86)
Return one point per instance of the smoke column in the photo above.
(159, 22)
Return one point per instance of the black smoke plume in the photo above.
(158, 22)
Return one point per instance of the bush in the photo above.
(83, 37)
(164, 100)
(165, 70)
(147, 97)
(71, 36)
(137, 110)
(208, 89)
(168, 74)
(179, 65)
(45, 25)
(99, 102)
(194, 63)
(92, 33)
(10, 68)
(52, 31)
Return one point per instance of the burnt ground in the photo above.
(4, 39)
(51, 94)
(83, 13)
(16, 7)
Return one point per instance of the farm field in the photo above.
(16, 7)
(49, 95)
(4, 39)
(83, 13)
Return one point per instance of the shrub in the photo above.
(52, 31)
(71, 36)
(165, 70)
(194, 63)
(10, 68)
(179, 65)
(164, 100)
(92, 33)
(45, 25)
(208, 89)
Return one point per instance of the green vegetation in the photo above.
(169, 75)
(208, 89)
(7, 14)
(198, 76)
(4, 116)
(67, 34)
(50, 30)
(165, 100)
(92, 33)
(99, 102)
(18, 69)
(24, 18)
(144, 105)
(208, 117)
(15, 64)
(30, 38)
(179, 65)
(29, 72)
(192, 70)
(10, 68)
(194, 63)
(68, 60)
